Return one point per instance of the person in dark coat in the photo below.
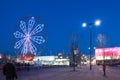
(9, 71)
(104, 69)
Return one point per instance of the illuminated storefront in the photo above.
(107, 54)
(51, 60)
(44, 60)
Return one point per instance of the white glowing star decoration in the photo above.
(27, 36)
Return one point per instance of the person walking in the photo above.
(9, 71)
(104, 69)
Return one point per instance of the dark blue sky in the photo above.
(62, 19)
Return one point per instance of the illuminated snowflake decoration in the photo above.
(27, 36)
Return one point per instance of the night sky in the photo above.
(63, 18)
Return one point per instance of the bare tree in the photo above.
(74, 49)
(101, 39)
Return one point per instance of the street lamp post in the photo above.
(90, 44)
(97, 23)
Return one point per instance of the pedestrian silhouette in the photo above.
(104, 69)
(28, 66)
(9, 71)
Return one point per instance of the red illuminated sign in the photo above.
(27, 57)
(107, 51)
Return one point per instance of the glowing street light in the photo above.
(96, 23)
(84, 24)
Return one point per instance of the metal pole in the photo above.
(80, 59)
(73, 61)
(90, 27)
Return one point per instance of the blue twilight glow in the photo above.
(62, 20)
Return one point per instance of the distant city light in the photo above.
(0, 56)
(89, 48)
(94, 47)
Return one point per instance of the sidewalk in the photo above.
(67, 73)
